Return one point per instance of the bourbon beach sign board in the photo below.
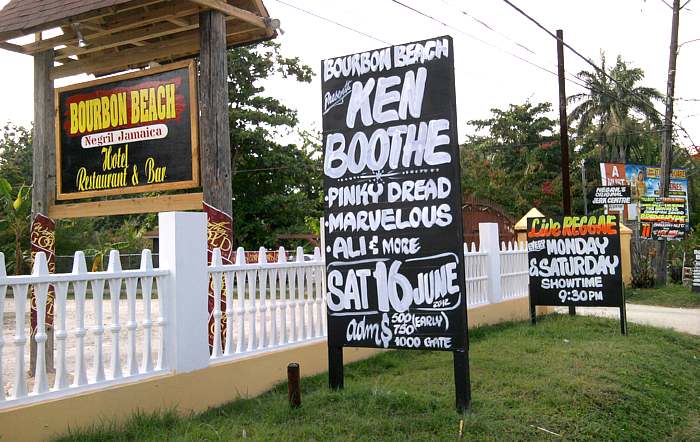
(128, 134)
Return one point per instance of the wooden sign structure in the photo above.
(109, 36)
(393, 229)
(575, 261)
(103, 37)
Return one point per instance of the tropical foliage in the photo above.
(16, 205)
(276, 185)
(513, 159)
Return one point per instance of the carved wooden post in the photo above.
(215, 146)
(215, 142)
(44, 164)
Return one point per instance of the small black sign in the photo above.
(575, 261)
(128, 134)
(393, 229)
(696, 271)
(612, 195)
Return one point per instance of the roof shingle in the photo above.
(24, 16)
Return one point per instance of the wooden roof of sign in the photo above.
(105, 36)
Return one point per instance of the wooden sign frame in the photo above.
(194, 118)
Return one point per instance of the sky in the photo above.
(488, 74)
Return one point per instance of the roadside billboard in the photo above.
(644, 182)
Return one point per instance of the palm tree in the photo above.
(614, 110)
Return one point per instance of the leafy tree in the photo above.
(16, 154)
(610, 109)
(516, 162)
(276, 186)
(15, 178)
(16, 205)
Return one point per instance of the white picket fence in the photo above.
(102, 342)
(514, 271)
(476, 276)
(85, 365)
(269, 304)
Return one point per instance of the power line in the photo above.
(574, 79)
(577, 81)
(531, 63)
(490, 28)
(585, 86)
(334, 22)
(587, 60)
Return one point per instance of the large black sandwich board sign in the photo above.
(575, 261)
(393, 229)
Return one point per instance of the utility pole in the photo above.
(563, 127)
(563, 134)
(667, 141)
(584, 186)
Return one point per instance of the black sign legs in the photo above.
(572, 310)
(623, 313)
(463, 390)
(623, 320)
(335, 368)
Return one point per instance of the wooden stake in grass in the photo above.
(293, 387)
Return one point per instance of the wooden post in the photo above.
(667, 140)
(215, 142)
(44, 163)
(293, 385)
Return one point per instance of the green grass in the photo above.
(670, 296)
(575, 376)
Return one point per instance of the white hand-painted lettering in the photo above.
(418, 147)
(358, 64)
(390, 219)
(410, 98)
(333, 99)
(406, 55)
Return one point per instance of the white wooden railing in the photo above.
(101, 342)
(476, 276)
(268, 304)
(80, 362)
(514, 272)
